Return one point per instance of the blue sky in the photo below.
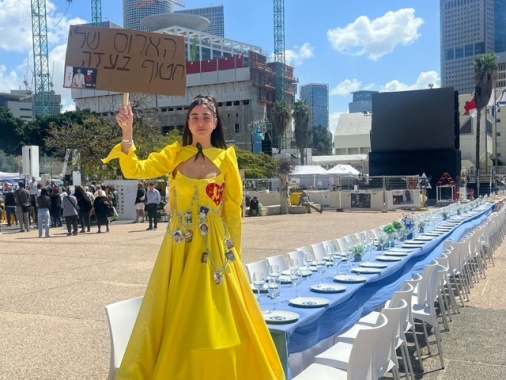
(382, 45)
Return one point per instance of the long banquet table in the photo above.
(344, 309)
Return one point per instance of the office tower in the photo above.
(316, 96)
(469, 28)
(135, 10)
(214, 14)
(362, 101)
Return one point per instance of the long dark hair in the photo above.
(217, 136)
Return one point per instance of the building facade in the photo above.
(362, 101)
(135, 10)
(469, 28)
(215, 15)
(316, 96)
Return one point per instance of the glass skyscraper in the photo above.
(214, 14)
(135, 10)
(316, 96)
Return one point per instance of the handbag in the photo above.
(72, 203)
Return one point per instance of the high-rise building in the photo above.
(135, 10)
(215, 15)
(316, 96)
(469, 28)
(362, 101)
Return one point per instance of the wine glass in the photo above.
(296, 277)
(321, 267)
(336, 260)
(274, 290)
(258, 282)
(274, 271)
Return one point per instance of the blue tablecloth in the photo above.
(344, 309)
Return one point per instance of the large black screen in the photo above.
(413, 120)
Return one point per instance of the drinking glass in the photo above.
(336, 260)
(258, 282)
(274, 271)
(321, 267)
(296, 277)
(274, 290)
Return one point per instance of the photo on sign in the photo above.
(80, 77)
(359, 200)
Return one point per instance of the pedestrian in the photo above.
(84, 208)
(140, 203)
(56, 208)
(101, 210)
(153, 198)
(23, 206)
(199, 318)
(34, 193)
(70, 212)
(10, 207)
(254, 207)
(43, 206)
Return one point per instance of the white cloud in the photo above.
(422, 82)
(377, 37)
(298, 55)
(333, 120)
(346, 87)
(9, 79)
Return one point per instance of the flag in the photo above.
(470, 108)
(502, 99)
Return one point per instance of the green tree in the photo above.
(255, 165)
(8, 163)
(301, 114)
(322, 140)
(280, 118)
(485, 72)
(11, 132)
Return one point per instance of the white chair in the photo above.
(319, 251)
(359, 357)
(121, 318)
(423, 305)
(308, 257)
(300, 256)
(261, 266)
(330, 247)
(278, 260)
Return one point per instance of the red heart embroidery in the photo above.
(215, 192)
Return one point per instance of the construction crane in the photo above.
(40, 57)
(279, 48)
(143, 3)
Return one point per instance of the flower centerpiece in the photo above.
(358, 250)
(445, 215)
(390, 230)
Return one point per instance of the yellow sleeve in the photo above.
(156, 165)
(233, 200)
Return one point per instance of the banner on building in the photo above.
(125, 60)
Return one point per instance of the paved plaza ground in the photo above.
(53, 292)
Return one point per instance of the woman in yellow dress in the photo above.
(199, 318)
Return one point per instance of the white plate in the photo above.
(396, 249)
(393, 253)
(414, 245)
(304, 272)
(328, 288)
(424, 238)
(435, 234)
(280, 316)
(388, 258)
(309, 301)
(370, 264)
(366, 270)
(350, 278)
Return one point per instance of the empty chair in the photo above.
(308, 257)
(319, 251)
(121, 318)
(359, 358)
(342, 244)
(330, 247)
(278, 260)
(261, 266)
(300, 256)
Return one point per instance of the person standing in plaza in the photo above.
(140, 200)
(10, 206)
(100, 210)
(70, 212)
(84, 208)
(199, 318)
(33, 190)
(56, 209)
(153, 198)
(22, 199)
(43, 206)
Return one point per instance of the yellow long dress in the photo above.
(199, 318)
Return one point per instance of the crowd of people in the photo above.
(34, 206)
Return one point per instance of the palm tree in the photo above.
(283, 169)
(300, 114)
(485, 71)
(280, 118)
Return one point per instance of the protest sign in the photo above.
(125, 60)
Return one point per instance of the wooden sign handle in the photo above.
(125, 98)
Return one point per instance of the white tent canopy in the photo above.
(343, 170)
(308, 170)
